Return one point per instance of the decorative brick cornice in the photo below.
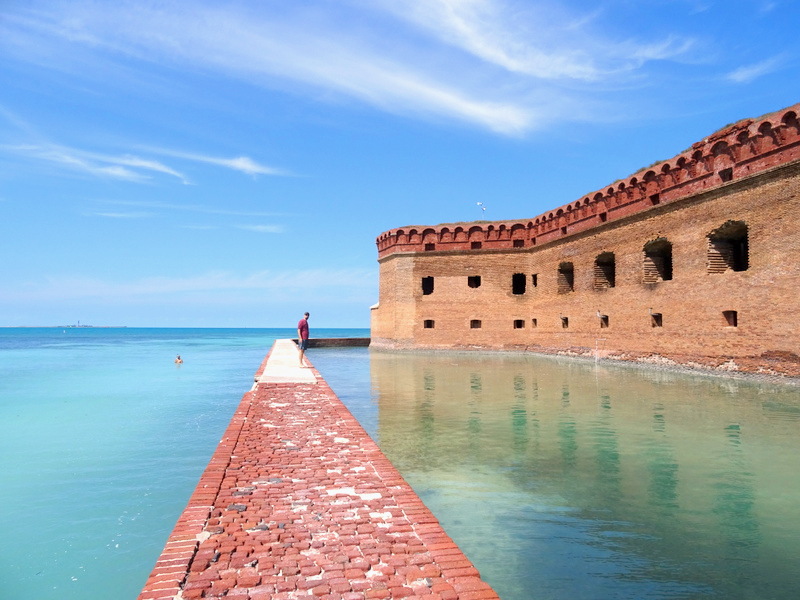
(740, 150)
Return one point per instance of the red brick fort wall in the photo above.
(695, 260)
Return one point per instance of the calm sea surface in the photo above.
(567, 480)
(560, 480)
(103, 441)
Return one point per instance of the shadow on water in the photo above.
(564, 479)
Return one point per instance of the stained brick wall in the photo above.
(748, 173)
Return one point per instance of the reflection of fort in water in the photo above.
(693, 471)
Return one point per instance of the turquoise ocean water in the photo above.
(558, 478)
(103, 441)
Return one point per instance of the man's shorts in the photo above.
(303, 344)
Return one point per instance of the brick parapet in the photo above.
(743, 149)
(299, 502)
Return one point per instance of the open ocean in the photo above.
(103, 441)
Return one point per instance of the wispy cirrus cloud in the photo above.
(767, 6)
(214, 282)
(262, 228)
(537, 39)
(191, 208)
(136, 162)
(749, 73)
(197, 208)
(124, 167)
(123, 215)
(313, 49)
(130, 167)
(507, 66)
(243, 164)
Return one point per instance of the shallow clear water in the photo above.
(103, 439)
(563, 479)
(559, 479)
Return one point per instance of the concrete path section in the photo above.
(298, 502)
(283, 365)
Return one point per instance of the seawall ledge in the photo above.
(298, 502)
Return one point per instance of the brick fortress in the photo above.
(694, 262)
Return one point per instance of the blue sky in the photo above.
(231, 163)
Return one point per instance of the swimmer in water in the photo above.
(178, 360)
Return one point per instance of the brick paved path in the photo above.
(298, 502)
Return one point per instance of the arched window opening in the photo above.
(728, 248)
(566, 278)
(604, 271)
(657, 261)
(474, 281)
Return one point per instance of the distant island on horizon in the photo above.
(64, 326)
(366, 327)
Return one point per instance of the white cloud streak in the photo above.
(123, 215)
(507, 66)
(130, 167)
(260, 48)
(243, 164)
(534, 39)
(141, 163)
(192, 208)
(262, 228)
(749, 73)
(217, 282)
(425, 68)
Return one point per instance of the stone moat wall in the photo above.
(694, 262)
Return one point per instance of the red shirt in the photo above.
(302, 327)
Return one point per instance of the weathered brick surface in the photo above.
(749, 172)
(299, 502)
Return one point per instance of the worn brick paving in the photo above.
(298, 502)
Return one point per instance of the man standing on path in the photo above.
(302, 336)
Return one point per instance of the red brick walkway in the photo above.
(299, 502)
